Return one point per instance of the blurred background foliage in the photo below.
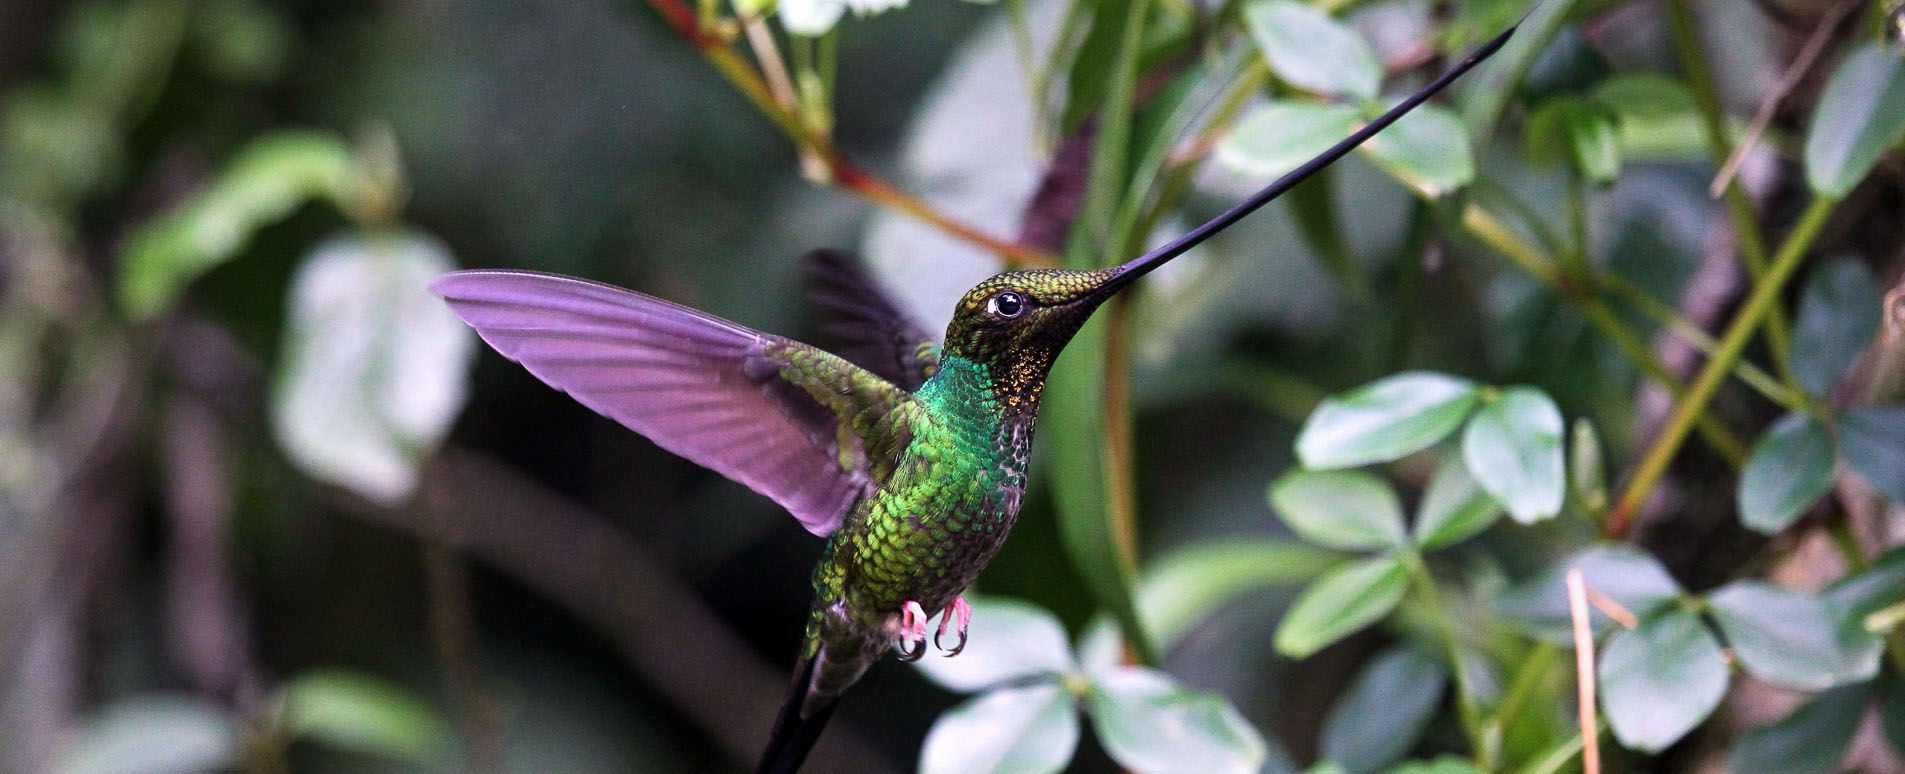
(265, 507)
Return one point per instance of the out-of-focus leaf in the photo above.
(1809, 741)
(1180, 588)
(1892, 711)
(1149, 723)
(1872, 441)
(355, 711)
(1347, 509)
(1341, 603)
(1513, 448)
(266, 181)
(1310, 50)
(1838, 313)
(1588, 473)
(374, 367)
(1028, 729)
(1427, 150)
(1384, 420)
(1625, 574)
(1661, 680)
(243, 41)
(1384, 710)
(1275, 138)
(1860, 114)
(1578, 133)
(1873, 588)
(1447, 764)
(1009, 640)
(1654, 116)
(1454, 507)
(151, 734)
(1793, 639)
(1790, 467)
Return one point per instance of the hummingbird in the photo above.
(908, 456)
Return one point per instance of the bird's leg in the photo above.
(912, 631)
(960, 611)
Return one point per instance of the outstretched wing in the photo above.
(864, 325)
(788, 420)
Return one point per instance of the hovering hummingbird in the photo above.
(908, 456)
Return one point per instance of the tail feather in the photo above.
(794, 735)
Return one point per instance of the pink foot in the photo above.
(912, 631)
(959, 611)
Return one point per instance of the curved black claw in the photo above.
(913, 653)
(942, 646)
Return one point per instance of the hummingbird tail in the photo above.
(794, 735)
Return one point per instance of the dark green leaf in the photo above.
(1310, 50)
(1872, 441)
(1454, 507)
(1860, 114)
(1790, 468)
(1625, 574)
(1150, 723)
(1010, 640)
(1513, 448)
(1341, 603)
(1384, 710)
(1838, 313)
(1578, 133)
(1809, 741)
(1427, 150)
(1029, 729)
(1384, 420)
(1876, 587)
(1447, 764)
(1892, 711)
(355, 711)
(1346, 509)
(1661, 680)
(1793, 639)
(151, 734)
(1181, 588)
(1275, 138)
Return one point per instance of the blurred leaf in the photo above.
(1275, 138)
(1513, 448)
(1089, 77)
(265, 182)
(243, 41)
(151, 734)
(351, 710)
(1347, 509)
(1625, 574)
(1310, 50)
(1867, 591)
(1789, 469)
(1872, 441)
(1025, 730)
(1340, 603)
(1578, 133)
(1793, 639)
(1654, 116)
(1661, 680)
(1009, 640)
(1384, 420)
(1892, 711)
(1838, 313)
(374, 367)
(1447, 764)
(1809, 741)
(1384, 710)
(1588, 474)
(1182, 587)
(1860, 114)
(1149, 723)
(1454, 507)
(1427, 150)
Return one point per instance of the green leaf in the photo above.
(1873, 588)
(1577, 132)
(1892, 711)
(1513, 448)
(351, 710)
(1625, 574)
(1427, 150)
(1384, 710)
(1661, 680)
(1872, 441)
(1340, 603)
(1838, 313)
(1811, 740)
(1311, 51)
(1793, 639)
(265, 182)
(151, 734)
(1181, 588)
(1446, 764)
(1010, 640)
(1024, 730)
(1655, 116)
(1384, 420)
(1149, 723)
(1454, 507)
(1587, 476)
(1789, 469)
(1860, 114)
(1345, 509)
(1275, 138)
(374, 367)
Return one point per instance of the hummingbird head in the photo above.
(1014, 325)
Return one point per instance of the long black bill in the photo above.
(1138, 267)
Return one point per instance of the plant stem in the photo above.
(1464, 689)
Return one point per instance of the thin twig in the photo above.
(1787, 82)
(1584, 673)
(1608, 606)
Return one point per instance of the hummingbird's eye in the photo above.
(1007, 305)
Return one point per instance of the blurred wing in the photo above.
(786, 419)
(864, 324)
